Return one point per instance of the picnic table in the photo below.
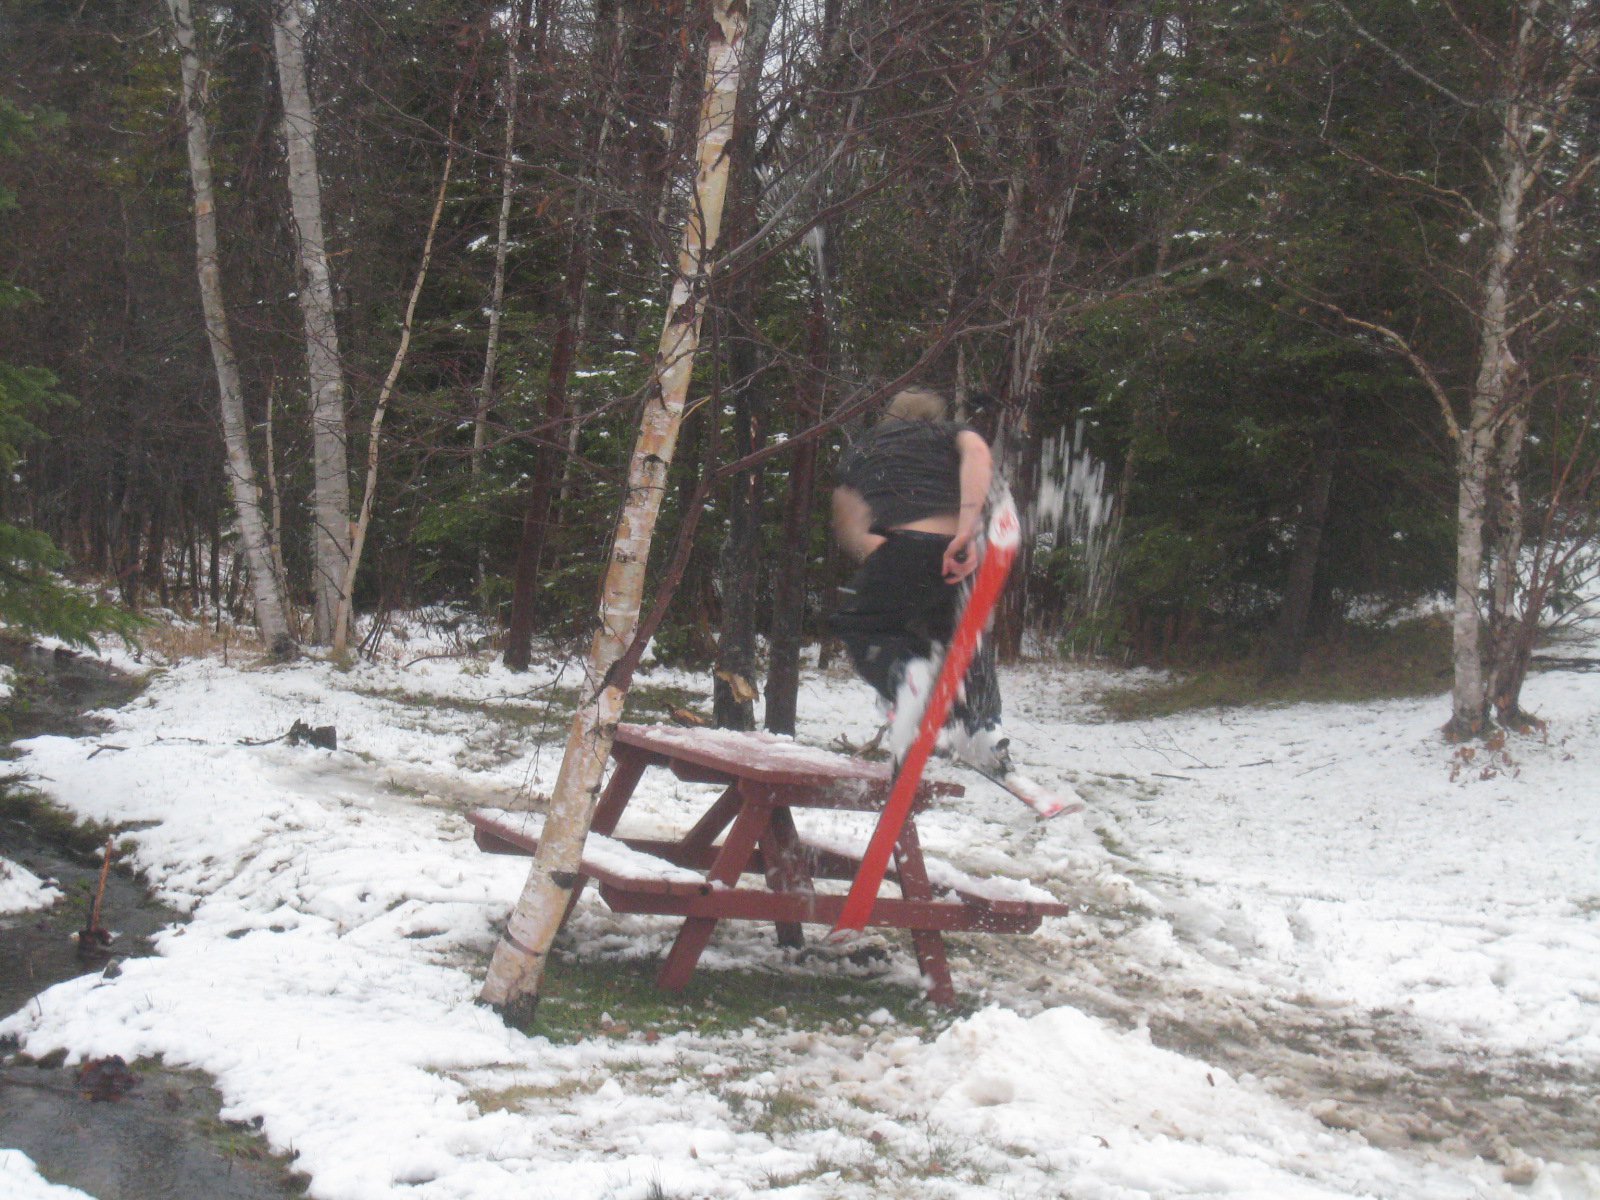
(765, 778)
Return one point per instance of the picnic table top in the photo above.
(759, 756)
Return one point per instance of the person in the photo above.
(908, 509)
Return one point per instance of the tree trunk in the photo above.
(548, 458)
(1469, 700)
(266, 584)
(511, 98)
(734, 687)
(329, 438)
(789, 569)
(1289, 637)
(363, 521)
(739, 571)
(1511, 632)
(517, 968)
(1491, 405)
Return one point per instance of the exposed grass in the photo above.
(786, 1111)
(536, 710)
(78, 839)
(516, 1098)
(554, 702)
(1362, 663)
(172, 641)
(584, 998)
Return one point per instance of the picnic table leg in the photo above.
(704, 834)
(619, 790)
(929, 943)
(786, 869)
(748, 827)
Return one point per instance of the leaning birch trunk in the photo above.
(517, 969)
(266, 584)
(329, 440)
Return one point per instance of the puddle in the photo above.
(161, 1138)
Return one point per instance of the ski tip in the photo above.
(1047, 805)
(842, 935)
(1059, 808)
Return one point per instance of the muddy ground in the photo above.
(139, 1132)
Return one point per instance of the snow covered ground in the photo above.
(1315, 952)
(23, 891)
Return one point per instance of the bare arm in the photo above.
(976, 473)
(852, 523)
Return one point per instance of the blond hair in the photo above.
(918, 404)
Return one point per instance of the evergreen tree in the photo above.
(32, 599)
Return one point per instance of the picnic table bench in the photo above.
(764, 778)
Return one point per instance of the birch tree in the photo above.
(329, 438)
(1519, 71)
(363, 521)
(518, 965)
(511, 99)
(266, 582)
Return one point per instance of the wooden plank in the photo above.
(498, 838)
(748, 904)
(824, 864)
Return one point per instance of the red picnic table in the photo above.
(764, 778)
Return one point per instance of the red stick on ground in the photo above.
(1002, 538)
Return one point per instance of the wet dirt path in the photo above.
(155, 1134)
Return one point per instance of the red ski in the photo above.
(1002, 536)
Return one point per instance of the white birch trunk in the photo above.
(329, 438)
(1468, 699)
(511, 96)
(1488, 409)
(1504, 566)
(518, 966)
(266, 585)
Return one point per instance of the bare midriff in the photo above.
(944, 523)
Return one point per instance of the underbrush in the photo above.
(1360, 663)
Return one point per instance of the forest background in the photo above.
(1285, 312)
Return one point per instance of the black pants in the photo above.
(898, 607)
